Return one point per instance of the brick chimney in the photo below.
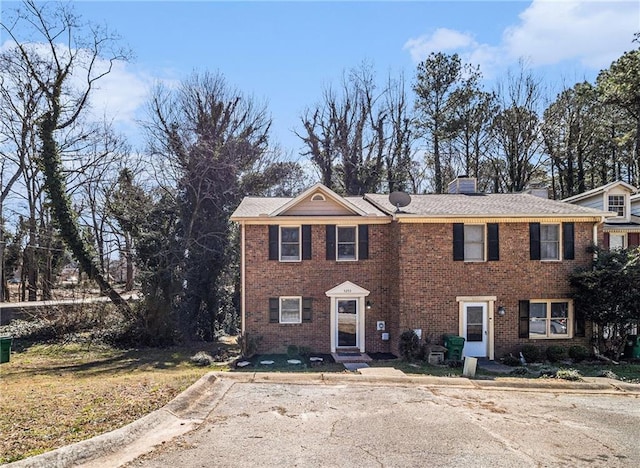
(463, 184)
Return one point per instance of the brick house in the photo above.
(622, 230)
(352, 273)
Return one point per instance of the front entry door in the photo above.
(474, 325)
(347, 323)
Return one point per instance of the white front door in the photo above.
(474, 326)
(347, 323)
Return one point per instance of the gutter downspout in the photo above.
(242, 279)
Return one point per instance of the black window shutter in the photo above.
(458, 241)
(534, 241)
(274, 310)
(580, 326)
(633, 240)
(568, 250)
(363, 242)
(493, 236)
(306, 309)
(306, 242)
(274, 236)
(523, 313)
(331, 242)
(606, 240)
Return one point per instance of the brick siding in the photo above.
(413, 281)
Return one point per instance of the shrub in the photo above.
(511, 360)
(555, 353)
(201, 358)
(530, 352)
(249, 344)
(578, 353)
(409, 346)
(293, 351)
(568, 374)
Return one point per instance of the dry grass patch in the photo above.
(55, 395)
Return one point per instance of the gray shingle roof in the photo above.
(509, 204)
(255, 206)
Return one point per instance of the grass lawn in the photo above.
(54, 395)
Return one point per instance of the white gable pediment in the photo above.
(319, 200)
(347, 289)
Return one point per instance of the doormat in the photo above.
(349, 354)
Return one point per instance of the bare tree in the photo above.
(359, 137)
(516, 130)
(54, 45)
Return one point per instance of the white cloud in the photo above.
(120, 94)
(464, 44)
(549, 32)
(594, 33)
(441, 40)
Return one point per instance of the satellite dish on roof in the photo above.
(399, 200)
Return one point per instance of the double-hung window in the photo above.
(552, 241)
(289, 244)
(347, 243)
(616, 204)
(474, 243)
(549, 242)
(291, 310)
(549, 318)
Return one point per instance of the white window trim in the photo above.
(624, 239)
(549, 336)
(280, 299)
(299, 259)
(484, 242)
(624, 204)
(338, 259)
(560, 253)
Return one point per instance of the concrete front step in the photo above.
(341, 357)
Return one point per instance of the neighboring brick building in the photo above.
(337, 273)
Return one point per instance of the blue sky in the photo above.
(284, 53)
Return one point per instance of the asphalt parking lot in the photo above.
(367, 424)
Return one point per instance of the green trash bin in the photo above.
(636, 349)
(5, 348)
(454, 345)
(629, 345)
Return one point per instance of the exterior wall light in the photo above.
(501, 311)
(368, 305)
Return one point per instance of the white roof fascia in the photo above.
(326, 191)
(598, 190)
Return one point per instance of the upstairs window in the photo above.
(289, 244)
(545, 241)
(549, 242)
(616, 204)
(346, 242)
(473, 243)
(476, 242)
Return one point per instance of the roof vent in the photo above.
(463, 184)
